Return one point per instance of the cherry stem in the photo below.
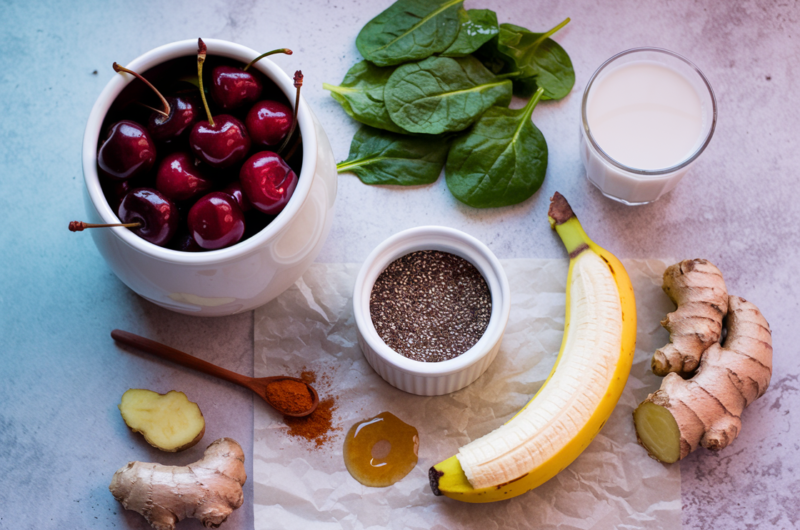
(148, 107)
(201, 58)
(166, 111)
(298, 84)
(295, 145)
(287, 51)
(80, 226)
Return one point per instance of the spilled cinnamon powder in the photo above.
(317, 426)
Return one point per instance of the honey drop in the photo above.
(381, 450)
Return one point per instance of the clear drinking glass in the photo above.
(631, 185)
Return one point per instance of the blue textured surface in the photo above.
(61, 376)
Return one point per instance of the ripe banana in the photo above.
(576, 400)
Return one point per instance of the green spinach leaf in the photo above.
(443, 94)
(536, 55)
(501, 161)
(477, 27)
(525, 87)
(381, 157)
(492, 59)
(409, 30)
(361, 95)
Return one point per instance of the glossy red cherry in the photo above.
(115, 190)
(234, 189)
(216, 221)
(268, 182)
(184, 112)
(232, 87)
(179, 179)
(128, 150)
(157, 214)
(268, 123)
(221, 143)
(176, 116)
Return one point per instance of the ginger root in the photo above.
(697, 288)
(208, 490)
(169, 422)
(706, 409)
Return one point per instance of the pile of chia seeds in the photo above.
(430, 306)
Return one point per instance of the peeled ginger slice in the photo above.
(658, 431)
(169, 422)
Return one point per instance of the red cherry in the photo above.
(216, 221)
(177, 116)
(221, 144)
(157, 214)
(268, 181)
(179, 179)
(183, 113)
(234, 189)
(127, 151)
(232, 87)
(268, 123)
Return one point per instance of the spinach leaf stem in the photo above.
(550, 33)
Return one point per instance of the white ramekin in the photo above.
(416, 377)
(243, 276)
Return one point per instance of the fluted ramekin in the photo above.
(431, 378)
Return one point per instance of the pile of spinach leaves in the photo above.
(433, 92)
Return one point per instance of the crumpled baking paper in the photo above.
(612, 484)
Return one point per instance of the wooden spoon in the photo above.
(256, 384)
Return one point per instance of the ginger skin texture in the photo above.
(698, 289)
(208, 490)
(706, 409)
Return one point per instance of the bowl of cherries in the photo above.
(208, 177)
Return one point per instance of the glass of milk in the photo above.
(647, 115)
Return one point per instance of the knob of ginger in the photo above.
(697, 288)
(706, 409)
(208, 490)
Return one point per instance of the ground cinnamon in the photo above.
(289, 396)
(315, 427)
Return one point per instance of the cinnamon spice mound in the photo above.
(315, 427)
(289, 396)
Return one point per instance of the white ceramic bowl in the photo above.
(416, 377)
(243, 276)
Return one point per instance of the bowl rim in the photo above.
(447, 240)
(157, 56)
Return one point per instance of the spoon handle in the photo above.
(177, 356)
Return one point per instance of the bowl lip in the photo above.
(157, 56)
(433, 238)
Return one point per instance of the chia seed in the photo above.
(430, 306)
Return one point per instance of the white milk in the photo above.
(645, 115)
(648, 110)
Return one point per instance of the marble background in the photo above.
(61, 437)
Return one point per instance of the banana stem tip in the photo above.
(560, 210)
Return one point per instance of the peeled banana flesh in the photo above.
(578, 396)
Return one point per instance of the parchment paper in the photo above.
(613, 484)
